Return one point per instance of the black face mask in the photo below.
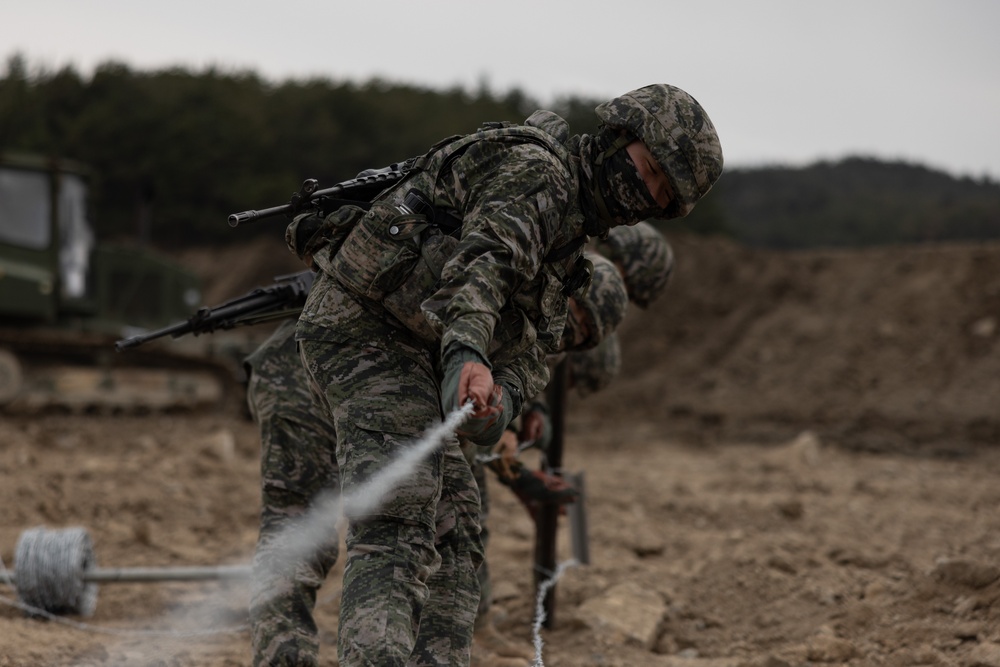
(621, 195)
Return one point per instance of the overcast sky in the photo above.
(785, 81)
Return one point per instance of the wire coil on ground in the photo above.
(49, 570)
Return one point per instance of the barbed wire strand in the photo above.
(458, 416)
(381, 484)
(543, 590)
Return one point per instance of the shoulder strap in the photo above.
(564, 251)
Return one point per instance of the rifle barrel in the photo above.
(178, 329)
(230, 313)
(364, 187)
(237, 219)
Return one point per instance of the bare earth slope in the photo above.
(880, 348)
(797, 466)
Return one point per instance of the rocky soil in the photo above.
(797, 466)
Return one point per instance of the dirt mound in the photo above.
(235, 269)
(883, 348)
(717, 539)
(716, 555)
(879, 348)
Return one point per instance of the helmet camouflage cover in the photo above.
(679, 134)
(604, 303)
(645, 258)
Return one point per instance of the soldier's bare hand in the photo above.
(533, 425)
(476, 383)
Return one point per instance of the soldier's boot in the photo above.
(488, 637)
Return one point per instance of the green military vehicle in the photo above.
(66, 298)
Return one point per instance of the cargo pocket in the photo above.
(380, 252)
(326, 242)
(552, 306)
(404, 303)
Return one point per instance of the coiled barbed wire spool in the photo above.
(56, 571)
(49, 570)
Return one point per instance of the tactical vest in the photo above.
(393, 253)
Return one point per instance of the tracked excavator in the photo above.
(65, 298)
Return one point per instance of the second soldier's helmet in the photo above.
(677, 132)
(645, 259)
(604, 303)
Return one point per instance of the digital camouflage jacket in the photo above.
(475, 247)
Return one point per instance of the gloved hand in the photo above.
(467, 377)
(487, 425)
(506, 462)
(302, 233)
(535, 488)
(536, 425)
(309, 232)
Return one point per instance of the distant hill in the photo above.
(890, 347)
(854, 202)
(174, 152)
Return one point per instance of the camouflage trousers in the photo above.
(410, 591)
(297, 463)
(470, 451)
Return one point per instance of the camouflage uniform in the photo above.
(297, 463)
(471, 451)
(401, 295)
(592, 370)
(603, 305)
(646, 262)
(645, 258)
(375, 348)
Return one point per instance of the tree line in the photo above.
(173, 152)
(857, 201)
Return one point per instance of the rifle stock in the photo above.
(284, 298)
(362, 188)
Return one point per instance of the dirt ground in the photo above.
(796, 466)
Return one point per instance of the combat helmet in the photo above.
(645, 259)
(679, 134)
(604, 304)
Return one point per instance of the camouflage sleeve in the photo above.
(511, 210)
